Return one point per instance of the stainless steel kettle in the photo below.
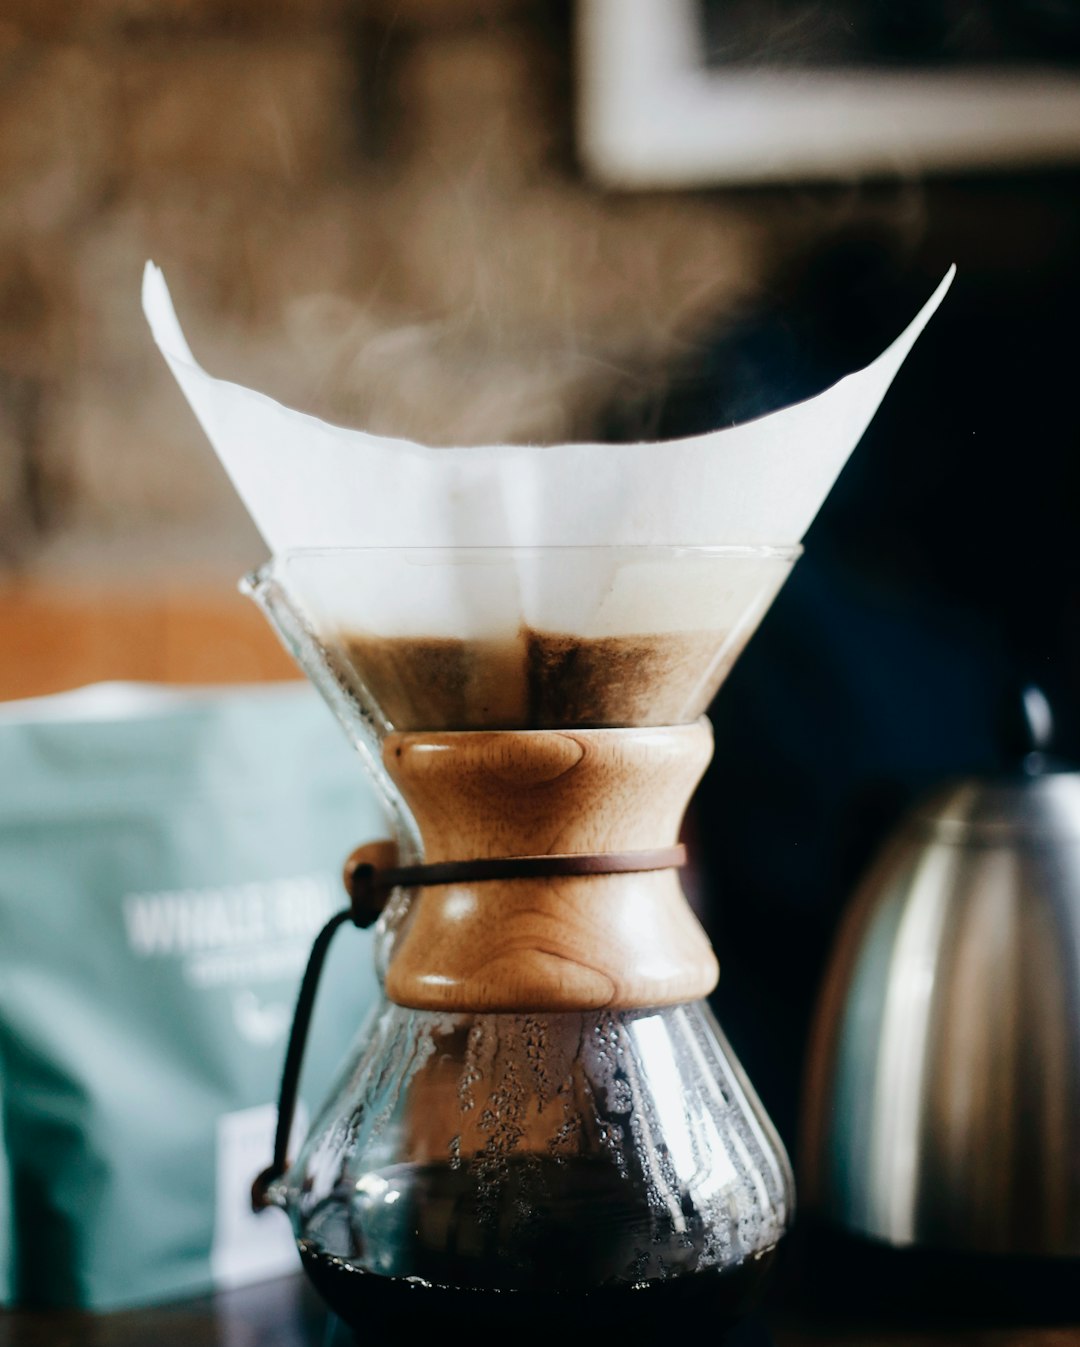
(942, 1105)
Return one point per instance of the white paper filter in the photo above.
(310, 485)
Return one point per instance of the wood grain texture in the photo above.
(568, 943)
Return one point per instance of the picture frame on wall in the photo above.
(700, 93)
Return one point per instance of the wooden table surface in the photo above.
(286, 1313)
(55, 638)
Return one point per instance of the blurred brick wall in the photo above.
(368, 209)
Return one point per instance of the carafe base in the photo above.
(385, 1310)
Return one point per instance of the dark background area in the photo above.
(935, 34)
(940, 577)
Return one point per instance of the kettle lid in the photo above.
(1039, 800)
(1004, 810)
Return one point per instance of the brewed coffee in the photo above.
(522, 1240)
(386, 1310)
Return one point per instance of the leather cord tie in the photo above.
(369, 882)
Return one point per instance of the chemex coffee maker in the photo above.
(542, 1106)
(542, 1126)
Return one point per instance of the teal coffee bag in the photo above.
(5, 1213)
(165, 861)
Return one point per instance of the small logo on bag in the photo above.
(260, 1022)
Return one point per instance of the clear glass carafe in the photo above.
(542, 1125)
(564, 1162)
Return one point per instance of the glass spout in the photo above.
(355, 712)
